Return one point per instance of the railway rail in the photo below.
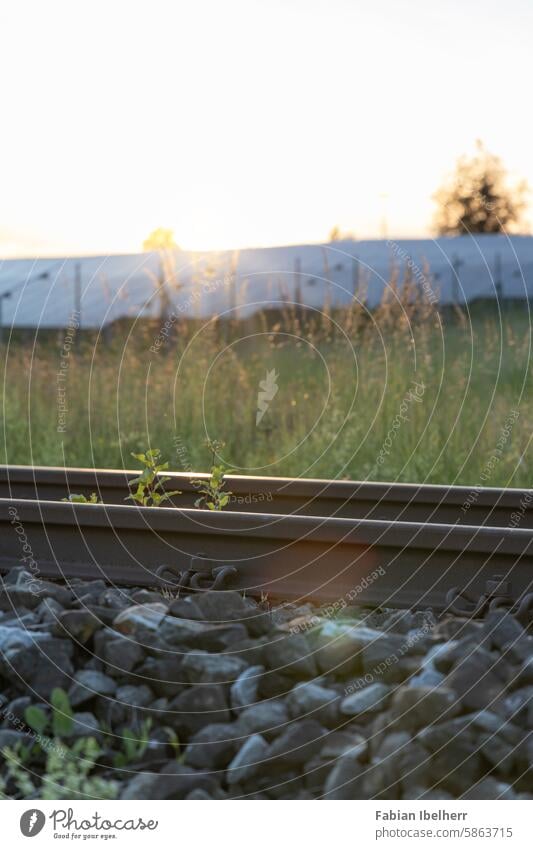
(331, 558)
(462, 505)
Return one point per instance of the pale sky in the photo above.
(242, 123)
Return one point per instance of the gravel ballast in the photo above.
(240, 700)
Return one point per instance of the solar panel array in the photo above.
(50, 292)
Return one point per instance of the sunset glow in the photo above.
(179, 115)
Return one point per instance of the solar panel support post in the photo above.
(2, 297)
(498, 283)
(456, 265)
(77, 293)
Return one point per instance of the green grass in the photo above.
(341, 388)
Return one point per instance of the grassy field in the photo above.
(402, 395)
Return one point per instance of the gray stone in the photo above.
(477, 680)
(204, 668)
(340, 647)
(393, 743)
(185, 608)
(519, 704)
(62, 595)
(204, 704)
(400, 621)
(274, 685)
(248, 761)
(290, 655)
(49, 612)
(229, 606)
(419, 642)
(266, 718)
(445, 655)
(121, 654)
(524, 676)
(427, 677)
(415, 707)
(454, 628)
(35, 660)
(500, 754)
(87, 592)
(212, 747)
(436, 737)
(188, 632)
(301, 740)
(501, 628)
(222, 606)
(345, 781)
(16, 708)
(135, 696)
(519, 651)
(117, 598)
(250, 650)
(339, 743)
(24, 589)
(368, 700)
(10, 739)
(405, 761)
(88, 684)
(14, 638)
(342, 742)
(244, 691)
(85, 724)
(141, 620)
(489, 788)
(420, 793)
(312, 700)
(485, 720)
(127, 707)
(199, 795)
(16, 574)
(163, 675)
(78, 624)
(146, 596)
(456, 762)
(175, 781)
(387, 650)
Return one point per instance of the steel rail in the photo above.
(463, 505)
(374, 562)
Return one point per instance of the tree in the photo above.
(336, 235)
(478, 199)
(161, 239)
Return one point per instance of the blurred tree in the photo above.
(478, 199)
(336, 235)
(160, 239)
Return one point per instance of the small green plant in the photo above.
(212, 492)
(66, 773)
(65, 768)
(17, 774)
(60, 724)
(133, 744)
(149, 485)
(174, 742)
(62, 714)
(79, 498)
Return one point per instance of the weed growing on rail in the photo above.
(149, 485)
(80, 498)
(212, 493)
